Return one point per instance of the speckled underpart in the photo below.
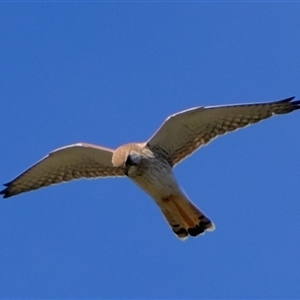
(193, 128)
(149, 164)
(156, 178)
(65, 164)
(60, 175)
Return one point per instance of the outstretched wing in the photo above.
(64, 164)
(185, 132)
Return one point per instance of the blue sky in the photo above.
(110, 73)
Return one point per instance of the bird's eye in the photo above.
(129, 161)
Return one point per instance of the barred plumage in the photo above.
(150, 164)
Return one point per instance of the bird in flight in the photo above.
(150, 164)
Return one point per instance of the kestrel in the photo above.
(150, 164)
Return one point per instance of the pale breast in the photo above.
(155, 177)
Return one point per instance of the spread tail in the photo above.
(184, 217)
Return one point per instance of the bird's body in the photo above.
(150, 164)
(152, 173)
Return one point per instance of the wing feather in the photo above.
(76, 161)
(185, 132)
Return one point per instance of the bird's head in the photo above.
(129, 157)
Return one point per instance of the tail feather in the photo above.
(184, 217)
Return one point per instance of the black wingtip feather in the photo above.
(297, 102)
(287, 100)
(5, 195)
(288, 105)
(290, 99)
(5, 192)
